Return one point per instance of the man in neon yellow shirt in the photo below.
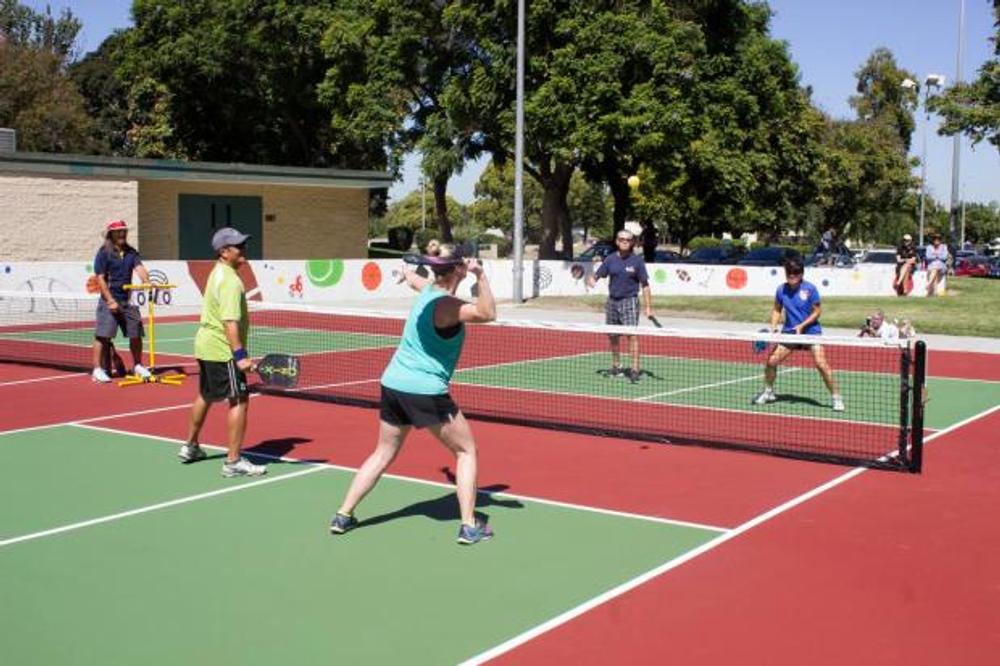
(220, 347)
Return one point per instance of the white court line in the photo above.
(435, 484)
(154, 507)
(47, 378)
(618, 591)
(691, 389)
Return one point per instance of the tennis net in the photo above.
(57, 329)
(692, 388)
(696, 388)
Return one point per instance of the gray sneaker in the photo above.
(242, 467)
(191, 452)
(469, 535)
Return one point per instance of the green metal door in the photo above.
(200, 215)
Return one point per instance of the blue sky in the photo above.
(828, 40)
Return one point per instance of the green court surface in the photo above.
(178, 339)
(252, 576)
(870, 397)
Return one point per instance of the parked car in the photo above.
(666, 257)
(772, 255)
(602, 249)
(973, 266)
(720, 255)
(879, 257)
(599, 249)
(842, 259)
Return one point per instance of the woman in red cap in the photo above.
(114, 264)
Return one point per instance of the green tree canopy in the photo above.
(974, 108)
(882, 95)
(37, 97)
(234, 80)
(105, 94)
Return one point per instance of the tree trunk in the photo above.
(623, 200)
(556, 222)
(441, 208)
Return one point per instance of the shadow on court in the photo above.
(445, 507)
(799, 400)
(267, 451)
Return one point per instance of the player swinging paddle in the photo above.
(415, 389)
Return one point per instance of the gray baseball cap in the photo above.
(227, 236)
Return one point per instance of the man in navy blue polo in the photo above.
(627, 274)
(799, 301)
(114, 264)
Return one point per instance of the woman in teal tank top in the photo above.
(415, 390)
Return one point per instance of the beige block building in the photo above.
(54, 207)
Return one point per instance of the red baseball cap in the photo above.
(115, 225)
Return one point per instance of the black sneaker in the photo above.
(633, 376)
(342, 523)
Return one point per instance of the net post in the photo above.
(905, 390)
(918, 396)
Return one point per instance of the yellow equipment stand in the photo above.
(172, 379)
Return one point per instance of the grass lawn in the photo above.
(971, 306)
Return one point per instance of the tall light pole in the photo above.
(956, 155)
(932, 81)
(519, 163)
(423, 202)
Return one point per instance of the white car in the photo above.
(879, 256)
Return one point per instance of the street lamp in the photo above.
(932, 81)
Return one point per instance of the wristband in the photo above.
(240, 354)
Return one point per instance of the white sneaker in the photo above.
(838, 404)
(140, 371)
(242, 467)
(765, 396)
(100, 376)
(191, 452)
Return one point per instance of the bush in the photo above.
(699, 242)
(400, 238)
(504, 246)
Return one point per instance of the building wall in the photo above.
(299, 222)
(61, 219)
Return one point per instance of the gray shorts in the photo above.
(622, 311)
(127, 319)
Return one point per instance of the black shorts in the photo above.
(792, 346)
(412, 409)
(221, 380)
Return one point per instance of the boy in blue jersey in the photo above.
(799, 301)
(415, 391)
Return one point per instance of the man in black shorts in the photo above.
(220, 347)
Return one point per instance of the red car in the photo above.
(972, 266)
